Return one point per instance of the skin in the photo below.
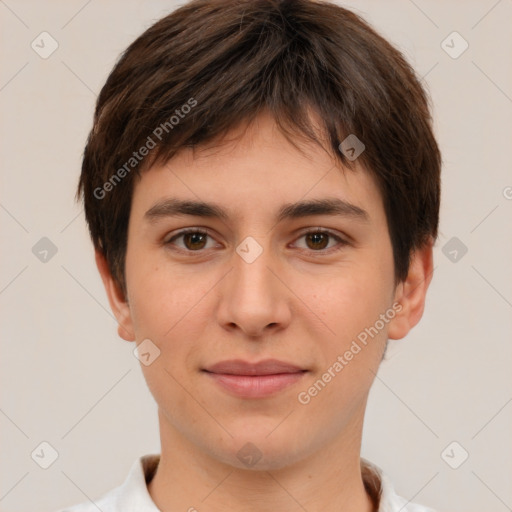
(299, 302)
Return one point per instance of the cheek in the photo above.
(156, 295)
(351, 307)
(162, 303)
(348, 301)
(168, 309)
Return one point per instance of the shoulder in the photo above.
(107, 503)
(397, 503)
(379, 485)
(131, 495)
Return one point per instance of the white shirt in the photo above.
(133, 495)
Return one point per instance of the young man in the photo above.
(262, 188)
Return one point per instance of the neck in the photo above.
(188, 478)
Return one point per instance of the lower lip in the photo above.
(257, 386)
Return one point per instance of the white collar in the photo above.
(133, 494)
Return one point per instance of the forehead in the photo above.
(254, 171)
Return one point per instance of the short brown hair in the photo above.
(227, 61)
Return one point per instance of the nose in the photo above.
(253, 297)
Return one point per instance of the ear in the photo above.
(412, 292)
(118, 302)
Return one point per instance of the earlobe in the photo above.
(116, 298)
(411, 293)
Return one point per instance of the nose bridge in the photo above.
(253, 297)
(252, 277)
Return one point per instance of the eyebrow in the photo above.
(329, 206)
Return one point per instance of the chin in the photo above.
(253, 452)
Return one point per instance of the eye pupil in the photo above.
(194, 239)
(318, 238)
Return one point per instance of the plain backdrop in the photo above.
(443, 393)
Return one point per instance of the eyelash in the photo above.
(341, 242)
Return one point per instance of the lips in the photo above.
(240, 367)
(254, 380)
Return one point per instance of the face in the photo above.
(270, 316)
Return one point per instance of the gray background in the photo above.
(67, 379)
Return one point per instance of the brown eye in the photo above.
(320, 241)
(192, 240)
(317, 241)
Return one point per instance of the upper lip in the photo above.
(266, 367)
